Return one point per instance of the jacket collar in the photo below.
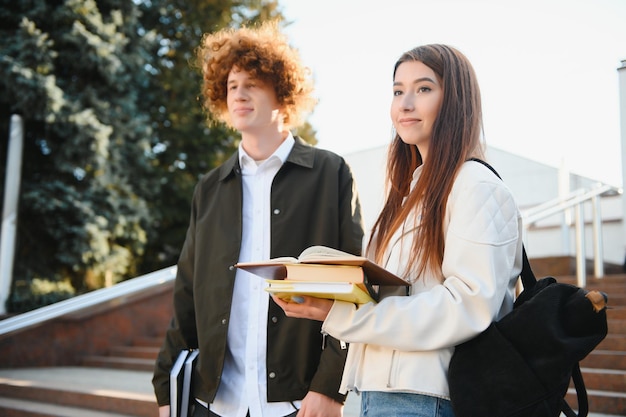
(302, 154)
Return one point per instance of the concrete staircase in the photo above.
(116, 383)
(94, 363)
(139, 356)
(76, 392)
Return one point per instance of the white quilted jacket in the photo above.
(404, 343)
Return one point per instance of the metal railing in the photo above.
(575, 201)
(114, 294)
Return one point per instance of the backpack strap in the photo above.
(581, 395)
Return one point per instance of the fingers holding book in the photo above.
(304, 307)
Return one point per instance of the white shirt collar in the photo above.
(281, 153)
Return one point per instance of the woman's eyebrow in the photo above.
(418, 80)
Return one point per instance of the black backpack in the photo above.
(521, 365)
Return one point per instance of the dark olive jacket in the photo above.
(313, 202)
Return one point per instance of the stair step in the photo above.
(137, 364)
(605, 359)
(10, 407)
(128, 393)
(615, 313)
(610, 287)
(609, 281)
(616, 299)
(604, 379)
(613, 342)
(143, 352)
(605, 402)
(617, 327)
(149, 341)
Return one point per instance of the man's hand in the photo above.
(305, 307)
(315, 404)
(164, 411)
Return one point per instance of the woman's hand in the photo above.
(305, 307)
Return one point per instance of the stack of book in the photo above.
(181, 383)
(324, 272)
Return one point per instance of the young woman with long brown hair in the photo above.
(449, 226)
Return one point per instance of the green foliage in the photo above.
(307, 133)
(186, 145)
(37, 293)
(87, 173)
(115, 136)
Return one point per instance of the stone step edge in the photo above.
(37, 408)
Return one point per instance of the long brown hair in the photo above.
(457, 134)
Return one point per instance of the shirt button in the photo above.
(272, 375)
(224, 321)
(274, 319)
(276, 211)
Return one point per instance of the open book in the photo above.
(324, 264)
(276, 268)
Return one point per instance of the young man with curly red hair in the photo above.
(275, 196)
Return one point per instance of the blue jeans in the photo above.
(401, 404)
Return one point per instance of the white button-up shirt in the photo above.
(243, 384)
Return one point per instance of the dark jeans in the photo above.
(198, 410)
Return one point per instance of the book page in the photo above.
(324, 254)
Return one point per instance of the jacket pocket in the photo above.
(394, 369)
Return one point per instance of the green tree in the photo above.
(66, 68)
(186, 145)
(115, 137)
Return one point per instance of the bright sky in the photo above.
(547, 71)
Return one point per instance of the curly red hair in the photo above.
(264, 52)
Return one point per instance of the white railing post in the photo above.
(9, 212)
(581, 267)
(598, 250)
(564, 195)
